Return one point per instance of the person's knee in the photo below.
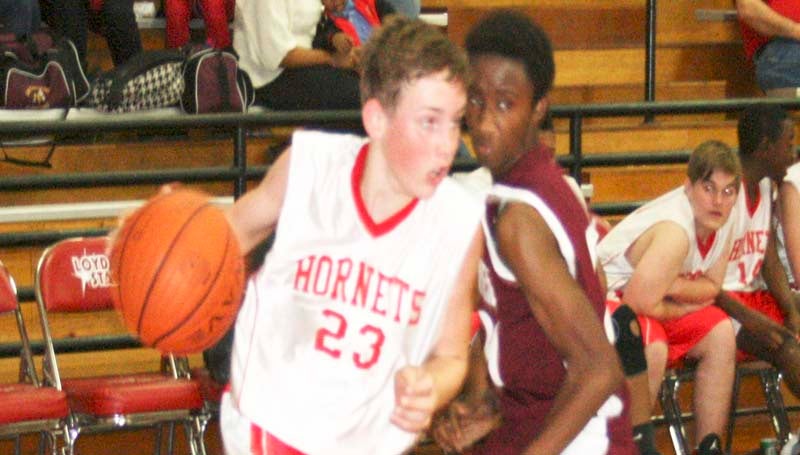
(629, 344)
(723, 336)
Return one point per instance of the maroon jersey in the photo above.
(530, 369)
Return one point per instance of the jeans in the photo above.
(20, 17)
(408, 7)
(778, 64)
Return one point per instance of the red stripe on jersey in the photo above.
(256, 440)
(705, 247)
(374, 228)
(752, 204)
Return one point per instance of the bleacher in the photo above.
(600, 59)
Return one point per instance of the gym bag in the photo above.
(40, 72)
(148, 80)
(215, 83)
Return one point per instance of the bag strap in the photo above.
(222, 75)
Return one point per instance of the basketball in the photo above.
(178, 272)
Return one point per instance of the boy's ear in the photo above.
(540, 110)
(374, 117)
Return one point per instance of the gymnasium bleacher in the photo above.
(628, 155)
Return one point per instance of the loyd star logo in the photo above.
(93, 270)
(37, 94)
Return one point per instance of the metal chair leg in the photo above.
(673, 414)
(771, 383)
(737, 381)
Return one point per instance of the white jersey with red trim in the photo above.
(342, 303)
(673, 206)
(751, 230)
(792, 177)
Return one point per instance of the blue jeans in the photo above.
(778, 64)
(408, 7)
(20, 17)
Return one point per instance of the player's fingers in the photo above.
(411, 420)
(419, 384)
(444, 433)
(169, 187)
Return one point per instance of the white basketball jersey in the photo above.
(673, 206)
(751, 228)
(792, 177)
(342, 303)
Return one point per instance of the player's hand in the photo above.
(414, 399)
(462, 424)
(792, 318)
(342, 42)
(343, 60)
(123, 217)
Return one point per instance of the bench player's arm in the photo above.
(789, 198)
(255, 215)
(657, 256)
(774, 276)
(765, 20)
(704, 288)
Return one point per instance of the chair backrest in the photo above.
(8, 291)
(74, 275)
(10, 304)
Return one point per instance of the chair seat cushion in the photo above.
(25, 402)
(129, 394)
(210, 389)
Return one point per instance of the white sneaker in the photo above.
(792, 447)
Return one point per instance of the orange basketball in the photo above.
(178, 271)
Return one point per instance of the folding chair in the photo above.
(769, 378)
(26, 406)
(73, 276)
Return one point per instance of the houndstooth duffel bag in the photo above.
(149, 80)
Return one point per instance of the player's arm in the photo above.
(775, 278)
(705, 288)
(766, 21)
(657, 256)
(475, 412)
(560, 306)
(255, 215)
(421, 390)
(789, 199)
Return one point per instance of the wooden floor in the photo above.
(747, 435)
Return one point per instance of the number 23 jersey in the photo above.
(342, 302)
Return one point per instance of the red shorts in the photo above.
(680, 334)
(761, 301)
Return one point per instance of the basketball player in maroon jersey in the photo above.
(561, 385)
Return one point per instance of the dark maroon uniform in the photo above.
(520, 356)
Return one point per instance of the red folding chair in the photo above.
(26, 406)
(73, 276)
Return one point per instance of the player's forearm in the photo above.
(698, 290)
(765, 20)
(585, 390)
(775, 278)
(670, 309)
(448, 375)
(477, 382)
(300, 58)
